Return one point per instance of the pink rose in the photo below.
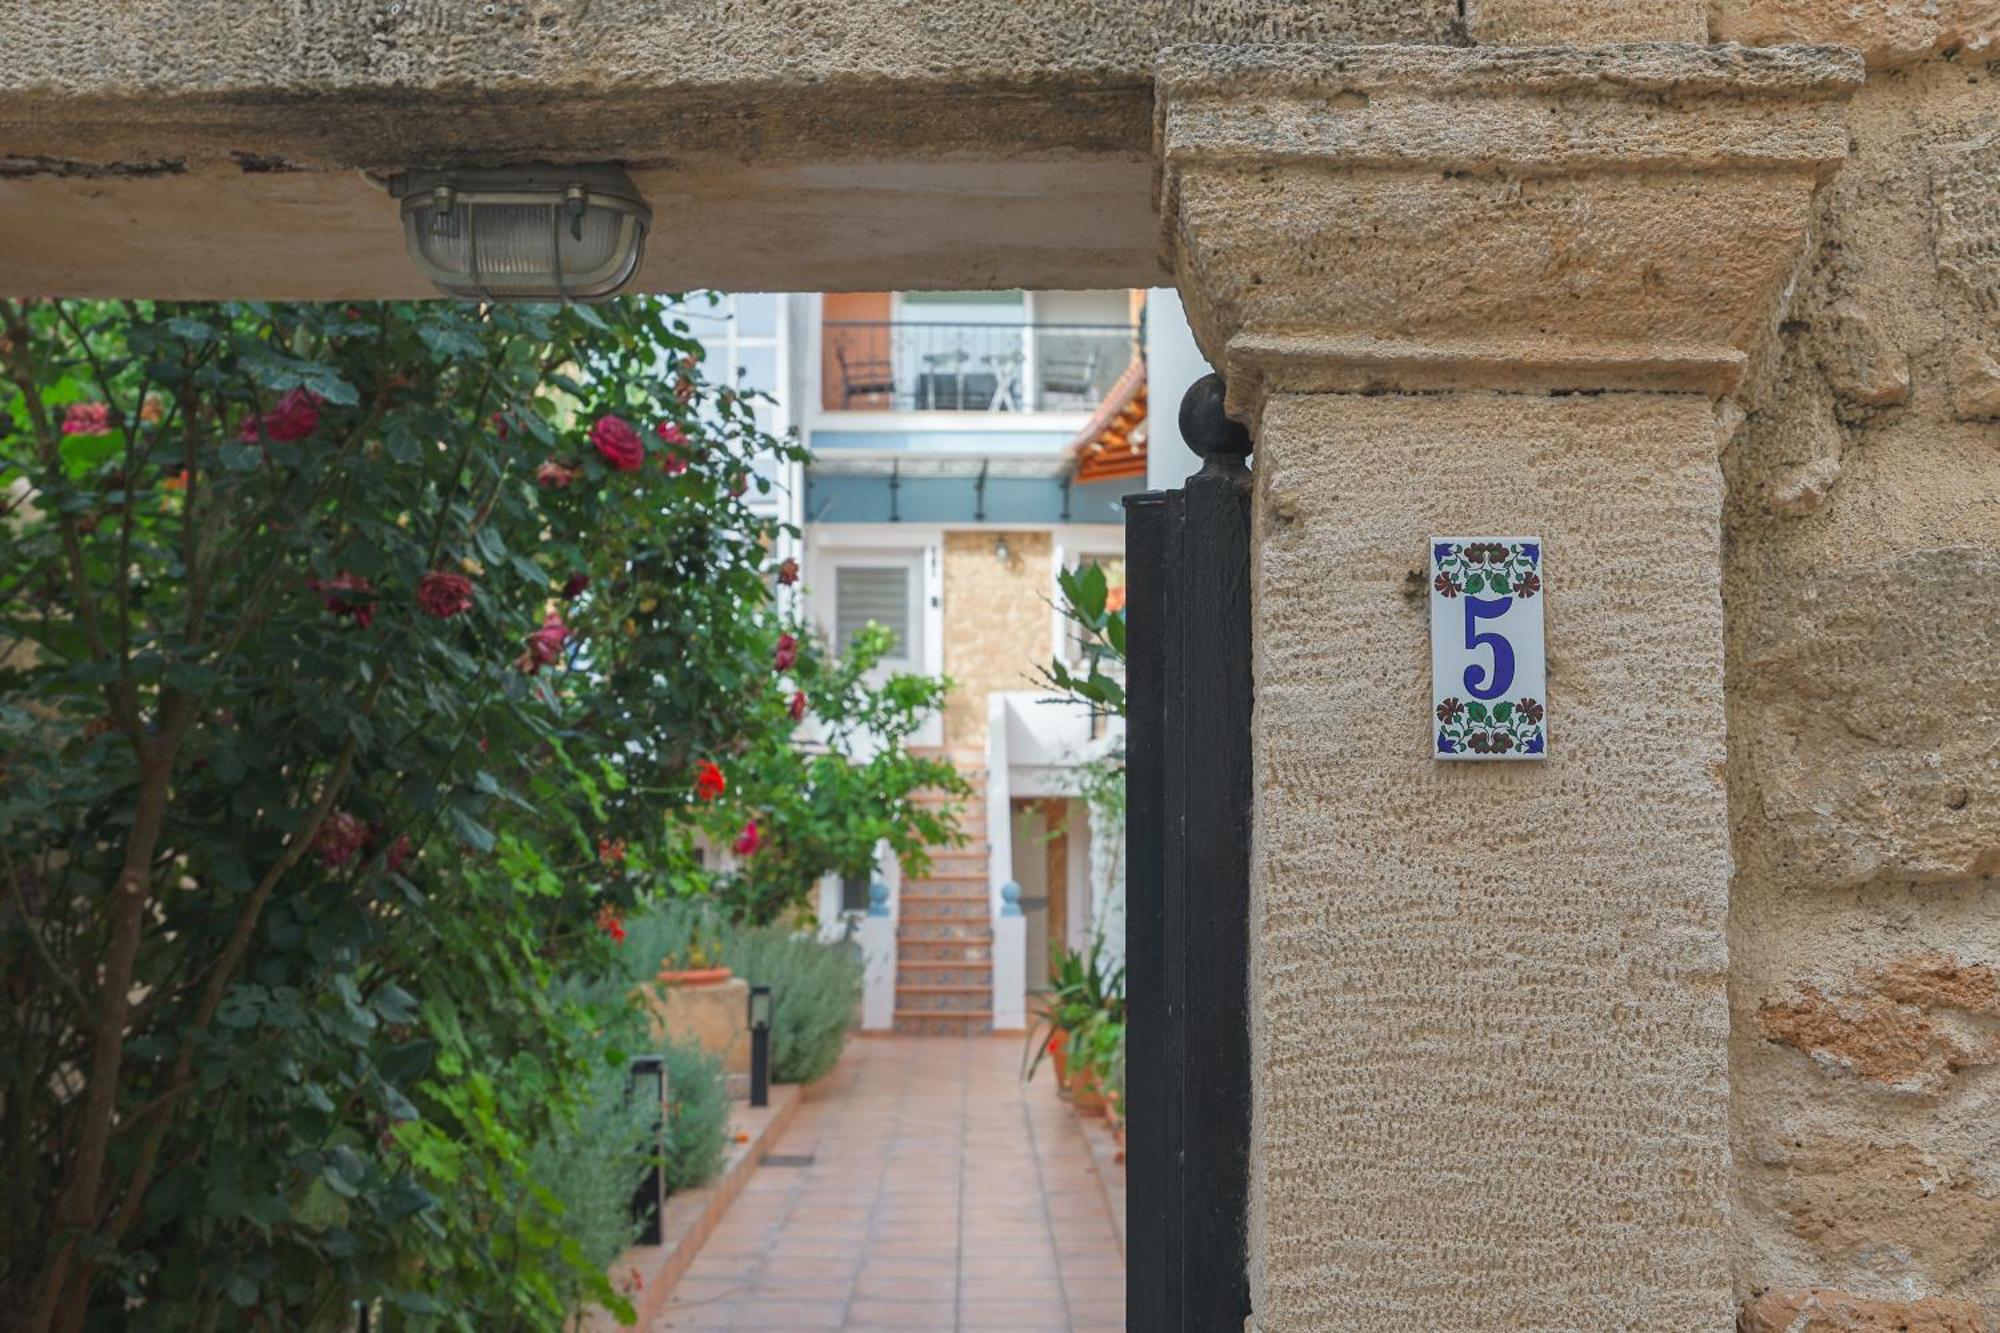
(444, 595)
(544, 645)
(87, 419)
(617, 444)
(347, 595)
(788, 652)
(295, 417)
(749, 840)
(553, 476)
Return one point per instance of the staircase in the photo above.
(944, 934)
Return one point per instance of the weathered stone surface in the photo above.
(1966, 227)
(1879, 710)
(1603, 217)
(1566, 23)
(1975, 383)
(1804, 490)
(1843, 1312)
(1000, 631)
(1886, 32)
(1864, 370)
(1507, 977)
(1873, 1037)
(1919, 1219)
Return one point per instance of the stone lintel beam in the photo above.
(1533, 218)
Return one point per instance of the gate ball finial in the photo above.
(1209, 430)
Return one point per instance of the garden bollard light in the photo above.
(648, 1078)
(760, 1045)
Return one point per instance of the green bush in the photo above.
(592, 1167)
(815, 987)
(698, 1125)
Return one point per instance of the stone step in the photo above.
(933, 1023)
(945, 972)
(932, 999)
(945, 928)
(944, 951)
(937, 906)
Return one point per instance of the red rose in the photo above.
(87, 419)
(340, 837)
(544, 645)
(749, 840)
(609, 922)
(611, 851)
(295, 417)
(788, 652)
(708, 780)
(553, 476)
(788, 573)
(499, 421)
(617, 444)
(670, 434)
(347, 595)
(574, 585)
(399, 854)
(444, 595)
(798, 706)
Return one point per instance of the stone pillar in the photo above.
(1464, 290)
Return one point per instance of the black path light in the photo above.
(647, 1078)
(760, 1045)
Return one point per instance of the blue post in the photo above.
(1010, 899)
(878, 899)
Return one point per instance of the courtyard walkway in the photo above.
(921, 1187)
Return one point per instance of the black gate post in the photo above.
(1188, 885)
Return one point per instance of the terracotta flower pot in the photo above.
(1087, 1093)
(698, 976)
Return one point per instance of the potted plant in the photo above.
(1085, 995)
(696, 963)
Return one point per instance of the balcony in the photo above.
(906, 366)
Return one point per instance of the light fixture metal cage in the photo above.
(531, 233)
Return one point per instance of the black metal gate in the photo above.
(1188, 885)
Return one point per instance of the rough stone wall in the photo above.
(1489, 1038)
(1863, 591)
(997, 625)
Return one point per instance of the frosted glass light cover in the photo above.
(538, 235)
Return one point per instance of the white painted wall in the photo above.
(1172, 363)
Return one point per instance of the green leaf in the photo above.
(241, 457)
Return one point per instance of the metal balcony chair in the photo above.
(864, 379)
(1071, 375)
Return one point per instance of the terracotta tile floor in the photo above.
(942, 1195)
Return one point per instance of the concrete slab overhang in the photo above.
(160, 148)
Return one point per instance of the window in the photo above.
(854, 894)
(874, 594)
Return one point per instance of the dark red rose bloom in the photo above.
(671, 434)
(553, 476)
(87, 419)
(798, 704)
(617, 444)
(708, 780)
(295, 417)
(788, 572)
(574, 585)
(340, 839)
(1527, 586)
(399, 854)
(1446, 586)
(444, 595)
(788, 652)
(500, 426)
(738, 484)
(347, 595)
(749, 840)
(544, 646)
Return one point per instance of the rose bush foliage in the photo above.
(338, 646)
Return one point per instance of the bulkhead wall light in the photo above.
(531, 233)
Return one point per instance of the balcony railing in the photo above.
(935, 367)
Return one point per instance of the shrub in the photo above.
(815, 986)
(591, 1166)
(698, 1121)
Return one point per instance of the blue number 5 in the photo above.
(1476, 676)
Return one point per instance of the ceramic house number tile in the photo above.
(1488, 675)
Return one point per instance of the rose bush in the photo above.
(336, 645)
